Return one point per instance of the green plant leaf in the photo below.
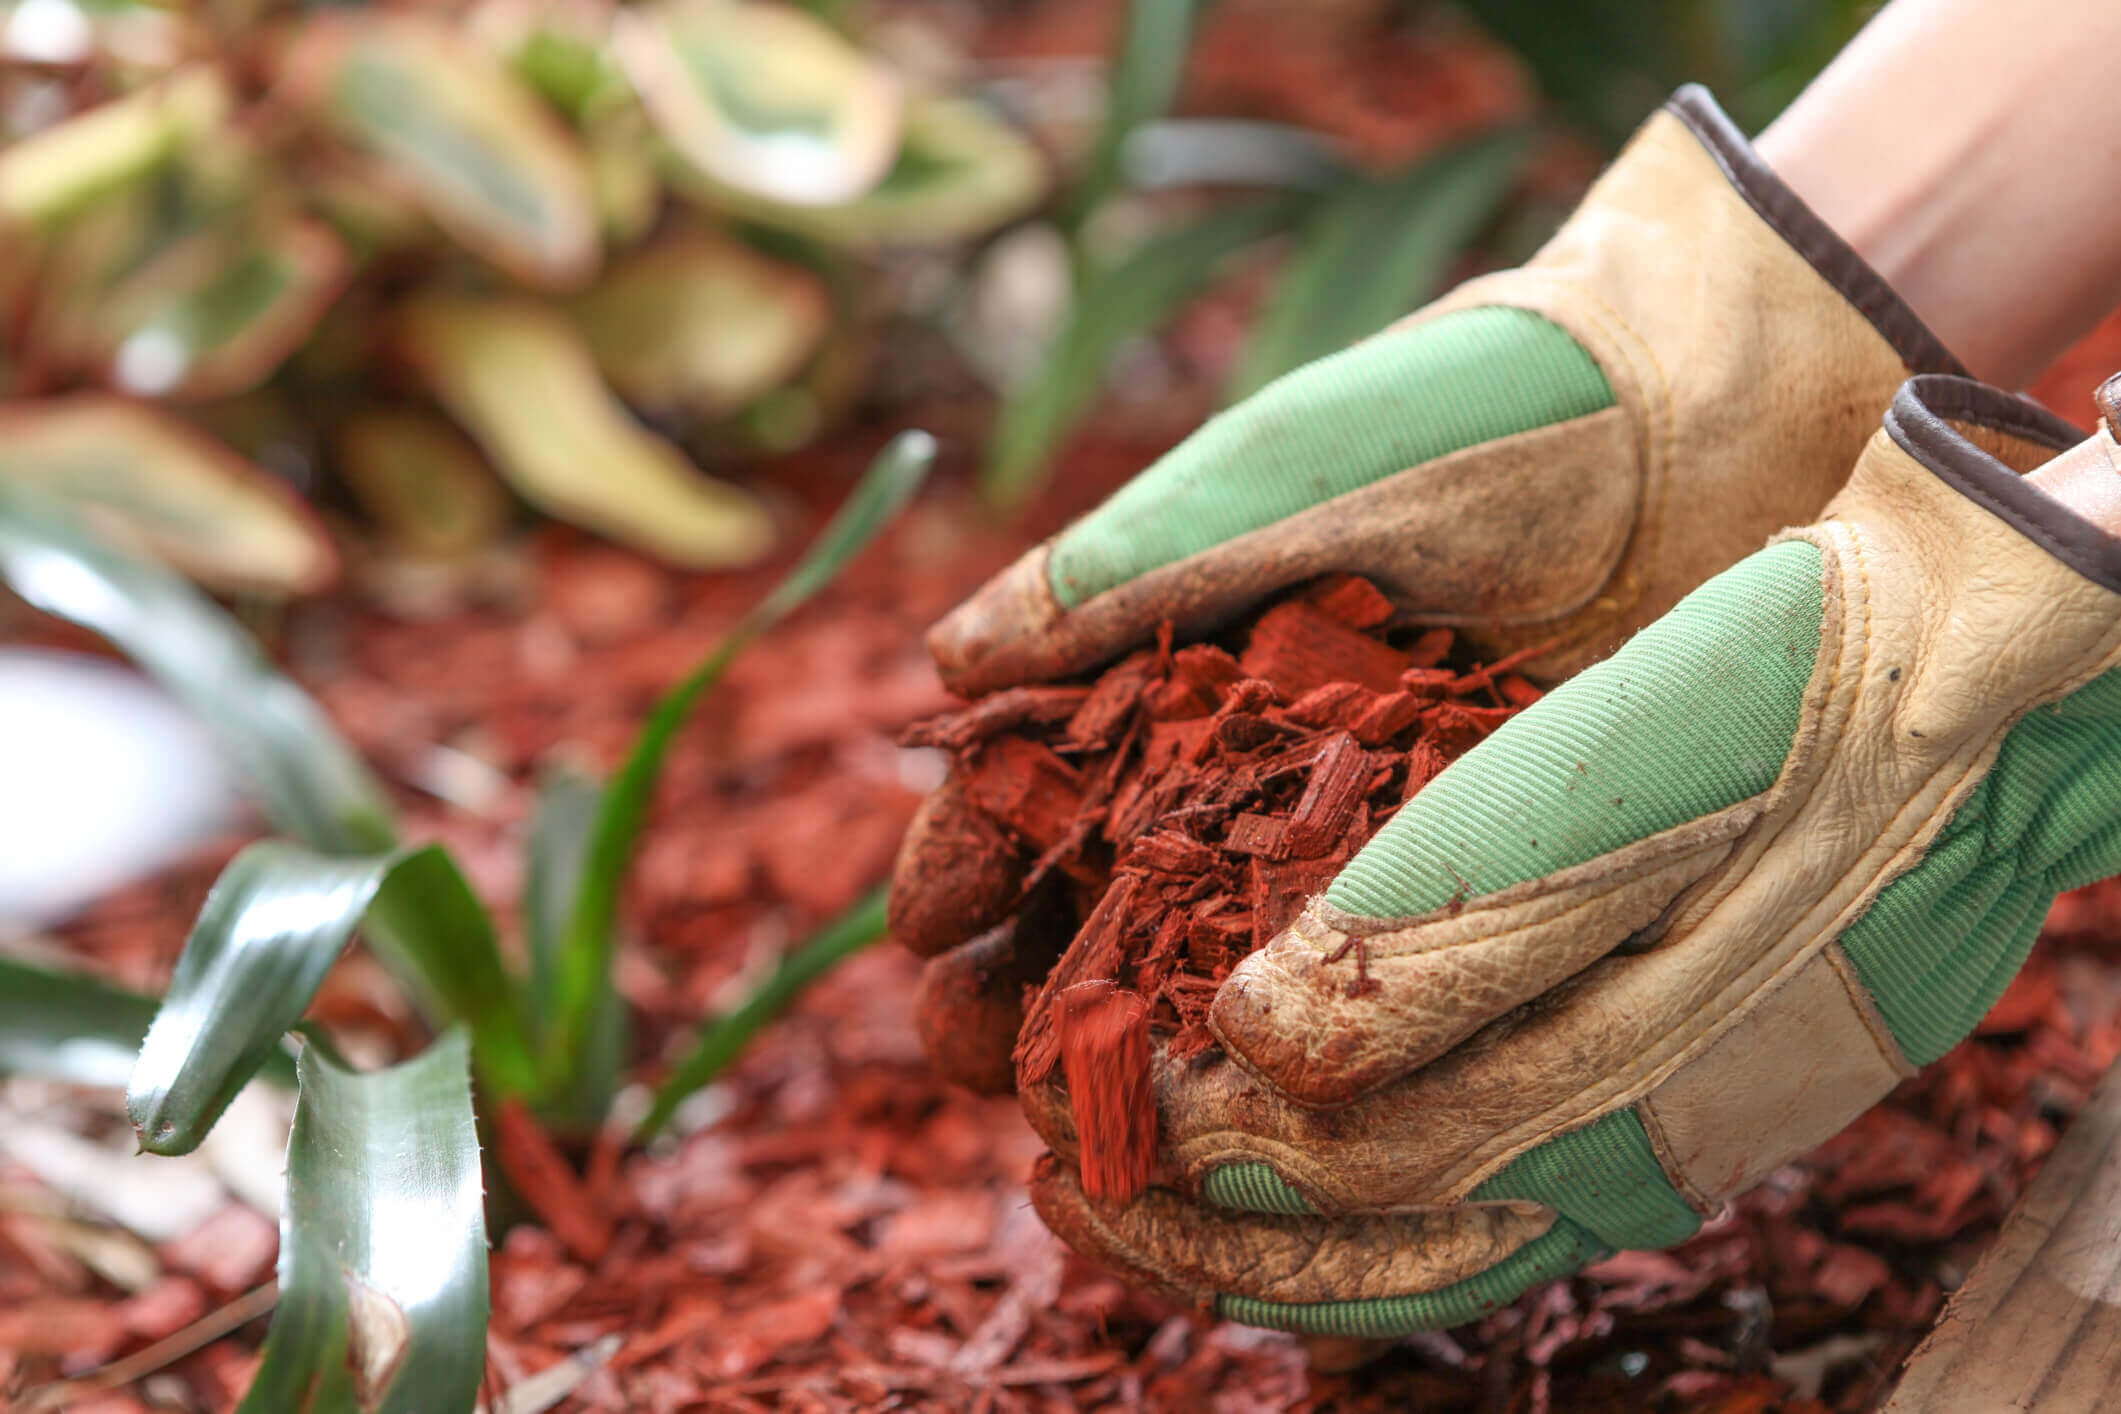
(521, 380)
(383, 1277)
(703, 324)
(960, 173)
(562, 828)
(583, 963)
(1375, 250)
(723, 1039)
(763, 98)
(1111, 306)
(1143, 83)
(420, 481)
(214, 314)
(71, 1027)
(51, 175)
(158, 486)
(490, 163)
(310, 783)
(275, 922)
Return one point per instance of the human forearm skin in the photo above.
(1971, 151)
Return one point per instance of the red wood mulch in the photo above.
(841, 1230)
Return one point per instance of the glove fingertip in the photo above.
(990, 640)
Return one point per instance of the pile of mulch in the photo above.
(1194, 798)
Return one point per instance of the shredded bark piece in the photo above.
(1105, 1055)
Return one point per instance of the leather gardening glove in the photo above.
(1672, 926)
(1549, 455)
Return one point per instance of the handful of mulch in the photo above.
(1172, 816)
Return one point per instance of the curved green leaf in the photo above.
(149, 481)
(521, 380)
(47, 177)
(421, 481)
(308, 780)
(1374, 251)
(1112, 306)
(491, 164)
(723, 1039)
(217, 312)
(1143, 83)
(960, 173)
(276, 920)
(583, 963)
(68, 1026)
(383, 1277)
(763, 98)
(562, 828)
(703, 324)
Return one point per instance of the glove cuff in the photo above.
(1809, 235)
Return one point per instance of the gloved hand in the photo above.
(1551, 455)
(1672, 926)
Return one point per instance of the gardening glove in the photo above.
(1672, 926)
(1548, 456)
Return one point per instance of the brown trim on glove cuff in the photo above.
(1921, 419)
(1834, 258)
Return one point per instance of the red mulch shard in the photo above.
(1105, 1055)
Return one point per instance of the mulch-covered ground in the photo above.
(837, 1228)
(840, 1230)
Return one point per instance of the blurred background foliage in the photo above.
(412, 266)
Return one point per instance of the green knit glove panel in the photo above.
(1603, 1179)
(1333, 426)
(1944, 939)
(1695, 713)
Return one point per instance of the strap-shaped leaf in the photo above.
(491, 164)
(703, 324)
(723, 1039)
(1144, 79)
(763, 98)
(294, 762)
(583, 962)
(1374, 250)
(383, 1278)
(71, 1027)
(1111, 306)
(276, 920)
(156, 484)
(960, 173)
(562, 830)
(521, 379)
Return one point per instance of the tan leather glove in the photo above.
(1672, 926)
(1549, 455)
